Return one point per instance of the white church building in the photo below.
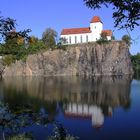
(84, 35)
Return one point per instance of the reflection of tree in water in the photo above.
(99, 94)
(20, 101)
(112, 92)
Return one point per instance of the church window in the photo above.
(70, 39)
(87, 38)
(81, 39)
(75, 39)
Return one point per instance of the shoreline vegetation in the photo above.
(13, 120)
(136, 65)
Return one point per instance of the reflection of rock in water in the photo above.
(99, 94)
(99, 91)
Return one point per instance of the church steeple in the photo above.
(96, 25)
(95, 19)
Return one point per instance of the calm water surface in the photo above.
(106, 108)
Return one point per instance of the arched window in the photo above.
(70, 39)
(75, 39)
(81, 39)
(87, 38)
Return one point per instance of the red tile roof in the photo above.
(95, 19)
(75, 31)
(108, 32)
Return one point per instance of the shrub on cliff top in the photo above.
(8, 60)
(104, 35)
(127, 40)
(35, 47)
(102, 41)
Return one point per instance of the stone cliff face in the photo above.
(1, 67)
(85, 59)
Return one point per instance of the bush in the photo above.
(36, 47)
(127, 40)
(62, 43)
(61, 134)
(19, 137)
(8, 60)
(102, 41)
(113, 37)
(136, 64)
(66, 138)
(104, 35)
(63, 47)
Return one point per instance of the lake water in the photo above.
(106, 108)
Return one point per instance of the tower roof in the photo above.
(95, 19)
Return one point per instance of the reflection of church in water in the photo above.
(84, 111)
(97, 99)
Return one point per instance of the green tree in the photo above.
(126, 12)
(11, 41)
(62, 42)
(104, 35)
(49, 38)
(32, 40)
(7, 25)
(127, 40)
(103, 39)
(13, 47)
(112, 37)
(136, 64)
(8, 60)
(15, 121)
(34, 45)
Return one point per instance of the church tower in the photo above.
(96, 27)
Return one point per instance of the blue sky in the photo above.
(38, 15)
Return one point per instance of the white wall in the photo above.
(78, 36)
(96, 29)
(108, 37)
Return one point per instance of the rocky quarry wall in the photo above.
(81, 59)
